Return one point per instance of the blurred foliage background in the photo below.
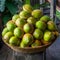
(11, 7)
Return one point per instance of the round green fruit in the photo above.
(27, 39)
(20, 22)
(45, 18)
(15, 17)
(8, 35)
(10, 26)
(18, 32)
(10, 21)
(51, 25)
(38, 34)
(36, 43)
(22, 45)
(27, 8)
(37, 13)
(41, 25)
(14, 41)
(48, 36)
(24, 14)
(28, 28)
(31, 20)
(5, 30)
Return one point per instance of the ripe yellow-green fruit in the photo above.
(51, 25)
(10, 25)
(14, 41)
(22, 45)
(28, 28)
(27, 8)
(37, 13)
(20, 22)
(18, 32)
(38, 34)
(24, 14)
(31, 20)
(36, 43)
(8, 35)
(45, 18)
(10, 21)
(15, 17)
(48, 36)
(41, 25)
(27, 39)
(5, 30)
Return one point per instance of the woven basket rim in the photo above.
(28, 49)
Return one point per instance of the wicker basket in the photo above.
(29, 49)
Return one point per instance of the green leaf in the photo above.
(27, 1)
(11, 7)
(40, 5)
(58, 14)
(5, 18)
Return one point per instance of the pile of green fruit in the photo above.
(29, 28)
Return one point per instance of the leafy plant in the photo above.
(58, 14)
(27, 1)
(14, 6)
(45, 4)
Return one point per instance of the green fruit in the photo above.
(14, 41)
(18, 32)
(48, 36)
(24, 14)
(20, 22)
(10, 21)
(37, 13)
(38, 34)
(5, 30)
(28, 28)
(8, 35)
(36, 43)
(31, 20)
(27, 39)
(51, 25)
(41, 25)
(27, 8)
(45, 18)
(10, 26)
(22, 45)
(15, 17)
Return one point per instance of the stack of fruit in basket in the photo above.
(29, 28)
